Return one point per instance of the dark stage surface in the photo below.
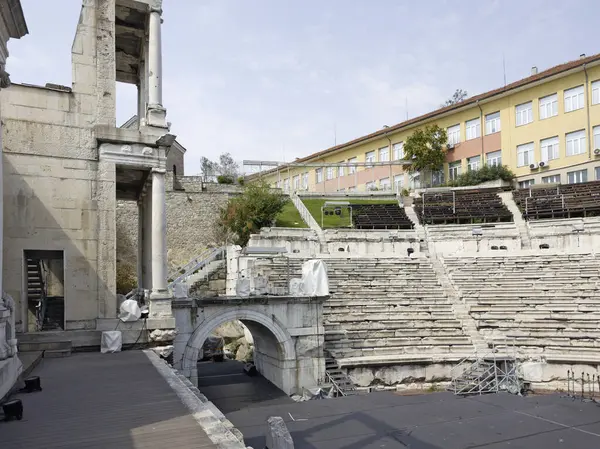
(431, 421)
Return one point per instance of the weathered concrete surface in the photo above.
(278, 436)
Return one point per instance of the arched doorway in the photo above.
(274, 348)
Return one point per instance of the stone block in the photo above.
(277, 435)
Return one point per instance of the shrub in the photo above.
(484, 174)
(241, 180)
(225, 179)
(126, 278)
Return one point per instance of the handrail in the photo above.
(334, 383)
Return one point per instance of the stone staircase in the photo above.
(522, 226)
(58, 343)
(419, 228)
(35, 288)
(342, 384)
(311, 222)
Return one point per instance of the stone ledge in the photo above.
(215, 428)
(256, 300)
(399, 360)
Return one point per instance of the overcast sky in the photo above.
(272, 79)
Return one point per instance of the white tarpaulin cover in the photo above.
(111, 341)
(130, 311)
(314, 278)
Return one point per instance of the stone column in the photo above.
(156, 113)
(160, 298)
(146, 239)
(140, 241)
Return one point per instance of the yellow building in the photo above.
(545, 128)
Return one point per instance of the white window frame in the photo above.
(305, 181)
(453, 134)
(492, 123)
(319, 175)
(384, 184)
(398, 151)
(473, 129)
(596, 92)
(352, 169)
(286, 185)
(525, 154)
(296, 182)
(494, 158)
(577, 177)
(341, 170)
(370, 157)
(551, 179)
(524, 113)
(550, 149)
(526, 183)
(473, 163)
(384, 154)
(597, 170)
(330, 173)
(574, 99)
(399, 182)
(548, 106)
(596, 136)
(575, 143)
(454, 170)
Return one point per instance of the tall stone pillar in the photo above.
(156, 114)
(160, 298)
(140, 246)
(147, 240)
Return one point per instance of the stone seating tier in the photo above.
(382, 307)
(380, 216)
(539, 302)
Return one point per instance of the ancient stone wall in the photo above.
(191, 213)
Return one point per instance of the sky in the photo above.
(277, 80)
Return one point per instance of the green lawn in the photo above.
(337, 221)
(290, 217)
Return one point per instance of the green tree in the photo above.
(256, 207)
(425, 149)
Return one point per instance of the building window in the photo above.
(525, 184)
(454, 170)
(286, 185)
(384, 184)
(384, 154)
(473, 129)
(492, 123)
(341, 170)
(330, 173)
(370, 157)
(596, 92)
(453, 135)
(525, 155)
(473, 163)
(548, 106)
(437, 178)
(596, 131)
(398, 149)
(549, 149)
(597, 173)
(278, 184)
(575, 177)
(574, 99)
(494, 158)
(576, 143)
(319, 175)
(371, 185)
(399, 182)
(296, 182)
(352, 189)
(553, 179)
(352, 168)
(305, 181)
(524, 113)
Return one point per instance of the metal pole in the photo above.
(454, 202)
(582, 385)
(568, 382)
(589, 386)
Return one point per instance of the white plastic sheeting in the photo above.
(314, 278)
(130, 311)
(111, 341)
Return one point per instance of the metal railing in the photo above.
(196, 264)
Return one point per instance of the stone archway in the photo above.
(275, 352)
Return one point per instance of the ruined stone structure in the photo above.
(67, 163)
(12, 25)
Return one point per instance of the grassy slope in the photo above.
(290, 217)
(335, 221)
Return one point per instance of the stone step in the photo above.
(47, 346)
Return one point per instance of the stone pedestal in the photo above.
(182, 310)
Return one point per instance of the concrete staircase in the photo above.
(521, 224)
(461, 310)
(341, 382)
(419, 228)
(34, 280)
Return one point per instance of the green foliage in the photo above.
(241, 180)
(484, 174)
(257, 207)
(126, 278)
(425, 149)
(225, 179)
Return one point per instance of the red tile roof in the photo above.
(472, 100)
